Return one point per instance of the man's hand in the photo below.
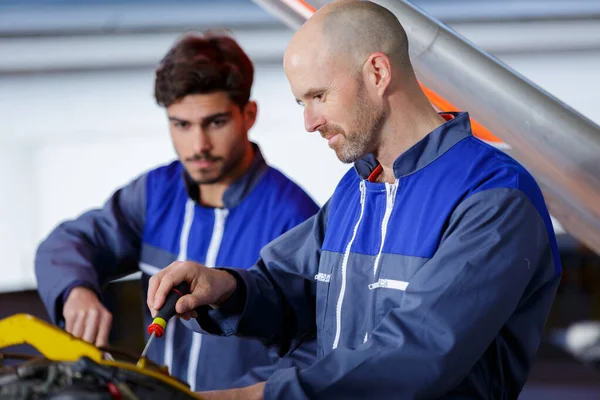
(86, 317)
(254, 392)
(206, 286)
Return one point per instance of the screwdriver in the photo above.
(166, 312)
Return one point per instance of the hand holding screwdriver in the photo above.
(164, 314)
(207, 286)
(167, 311)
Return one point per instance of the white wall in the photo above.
(18, 198)
(68, 140)
(75, 176)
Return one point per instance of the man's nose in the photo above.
(313, 120)
(202, 142)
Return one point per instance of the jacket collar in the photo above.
(240, 188)
(424, 152)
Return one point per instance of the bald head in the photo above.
(349, 68)
(351, 31)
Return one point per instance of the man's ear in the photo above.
(378, 72)
(250, 112)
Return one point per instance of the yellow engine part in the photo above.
(58, 345)
(52, 342)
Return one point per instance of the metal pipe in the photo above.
(291, 16)
(558, 145)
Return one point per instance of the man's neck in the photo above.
(399, 135)
(211, 195)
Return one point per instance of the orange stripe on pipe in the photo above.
(308, 6)
(444, 105)
(302, 7)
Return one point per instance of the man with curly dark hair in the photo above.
(218, 204)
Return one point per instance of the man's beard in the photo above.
(356, 143)
(224, 167)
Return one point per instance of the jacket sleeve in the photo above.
(93, 249)
(275, 299)
(453, 308)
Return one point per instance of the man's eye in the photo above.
(182, 124)
(219, 122)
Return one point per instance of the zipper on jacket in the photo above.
(338, 311)
(389, 284)
(188, 218)
(389, 206)
(386, 284)
(211, 260)
(390, 196)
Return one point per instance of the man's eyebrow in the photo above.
(205, 120)
(209, 118)
(175, 119)
(313, 92)
(310, 93)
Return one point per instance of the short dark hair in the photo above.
(201, 63)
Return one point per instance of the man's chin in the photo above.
(344, 158)
(205, 179)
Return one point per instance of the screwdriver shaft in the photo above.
(148, 345)
(166, 312)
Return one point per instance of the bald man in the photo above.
(431, 270)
